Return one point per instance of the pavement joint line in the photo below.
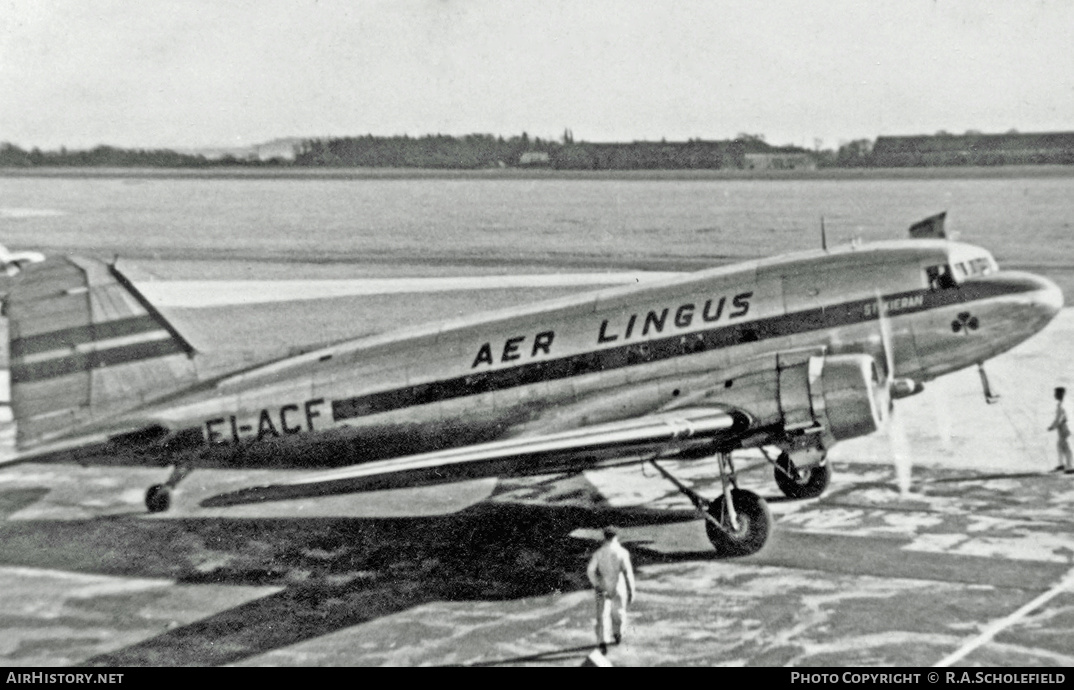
(943, 511)
(992, 629)
(846, 570)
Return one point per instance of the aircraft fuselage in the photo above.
(715, 338)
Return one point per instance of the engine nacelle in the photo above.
(841, 393)
(851, 396)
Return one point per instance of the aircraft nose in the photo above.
(1047, 297)
(1031, 303)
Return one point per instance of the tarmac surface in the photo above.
(971, 568)
(965, 558)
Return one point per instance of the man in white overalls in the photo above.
(612, 577)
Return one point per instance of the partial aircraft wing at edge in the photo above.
(466, 462)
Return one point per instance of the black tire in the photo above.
(158, 498)
(754, 523)
(809, 482)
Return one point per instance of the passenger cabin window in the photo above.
(940, 277)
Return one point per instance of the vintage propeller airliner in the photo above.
(794, 352)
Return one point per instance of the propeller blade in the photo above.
(990, 397)
(885, 339)
(943, 401)
(901, 454)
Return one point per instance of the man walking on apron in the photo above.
(612, 578)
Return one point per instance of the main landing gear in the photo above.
(800, 482)
(737, 522)
(159, 496)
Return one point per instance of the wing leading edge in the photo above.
(522, 455)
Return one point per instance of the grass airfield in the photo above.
(962, 553)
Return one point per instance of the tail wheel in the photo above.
(754, 523)
(158, 498)
(807, 482)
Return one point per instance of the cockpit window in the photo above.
(967, 263)
(981, 266)
(940, 277)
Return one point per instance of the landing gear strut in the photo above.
(801, 482)
(159, 496)
(737, 522)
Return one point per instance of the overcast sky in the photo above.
(187, 73)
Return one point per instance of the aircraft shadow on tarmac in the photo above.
(335, 572)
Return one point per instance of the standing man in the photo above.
(1062, 428)
(612, 577)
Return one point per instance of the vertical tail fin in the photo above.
(84, 343)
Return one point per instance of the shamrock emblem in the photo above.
(964, 323)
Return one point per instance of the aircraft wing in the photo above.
(664, 431)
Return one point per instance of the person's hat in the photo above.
(611, 531)
(1060, 391)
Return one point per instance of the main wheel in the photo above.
(807, 482)
(158, 498)
(754, 522)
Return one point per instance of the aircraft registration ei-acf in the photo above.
(793, 353)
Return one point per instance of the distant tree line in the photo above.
(486, 151)
(478, 151)
(12, 156)
(433, 151)
(643, 155)
(475, 151)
